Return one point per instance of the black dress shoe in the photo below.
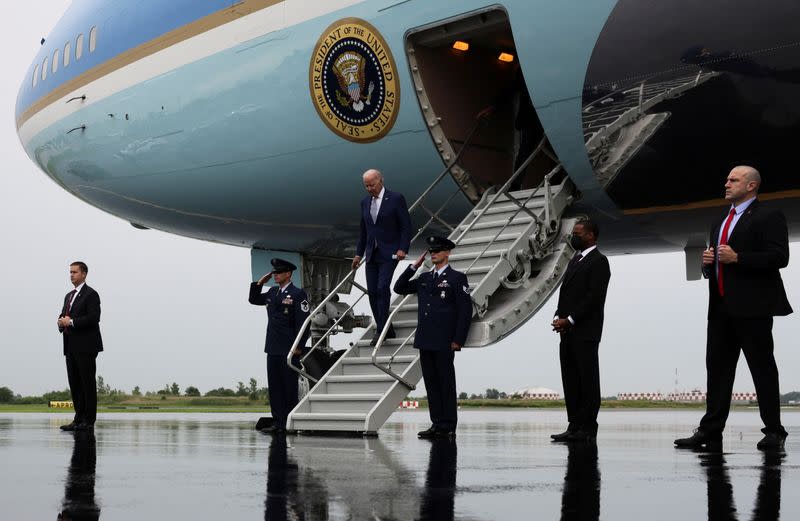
(562, 436)
(581, 437)
(428, 433)
(700, 439)
(68, 427)
(374, 341)
(771, 441)
(391, 333)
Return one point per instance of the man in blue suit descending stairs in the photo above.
(384, 240)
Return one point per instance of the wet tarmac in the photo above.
(501, 467)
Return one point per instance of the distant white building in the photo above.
(640, 396)
(538, 393)
(695, 395)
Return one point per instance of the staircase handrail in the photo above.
(307, 322)
(502, 190)
(351, 275)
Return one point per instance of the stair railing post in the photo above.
(307, 322)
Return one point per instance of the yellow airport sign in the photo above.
(60, 405)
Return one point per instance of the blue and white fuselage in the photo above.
(194, 116)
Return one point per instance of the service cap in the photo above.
(437, 243)
(282, 266)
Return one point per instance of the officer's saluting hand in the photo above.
(443, 320)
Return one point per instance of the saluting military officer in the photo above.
(444, 316)
(287, 309)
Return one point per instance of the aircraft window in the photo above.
(56, 59)
(93, 39)
(44, 68)
(36, 75)
(79, 47)
(67, 53)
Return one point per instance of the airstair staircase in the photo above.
(512, 248)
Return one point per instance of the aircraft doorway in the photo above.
(468, 69)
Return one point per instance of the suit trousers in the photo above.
(439, 375)
(282, 387)
(727, 336)
(379, 288)
(580, 375)
(81, 368)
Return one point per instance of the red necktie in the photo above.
(69, 302)
(723, 240)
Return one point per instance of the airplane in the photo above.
(249, 123)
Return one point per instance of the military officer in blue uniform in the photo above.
(287, 309)
(444, 317)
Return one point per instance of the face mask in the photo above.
(576, 242)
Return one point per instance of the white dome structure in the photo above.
(538, 393)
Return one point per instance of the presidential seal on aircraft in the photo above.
(354, 84)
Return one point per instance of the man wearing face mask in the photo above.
(579, 323)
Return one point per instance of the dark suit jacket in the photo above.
(285, 316)
(445, 308)
(583, 295)
(84, 336)
(391, 231)
(753, 286)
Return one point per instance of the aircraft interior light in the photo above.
(506, 57)
(460, 46)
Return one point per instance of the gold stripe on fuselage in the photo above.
(711, 203)
(200, 26)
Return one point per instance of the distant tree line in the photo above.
(106, 394)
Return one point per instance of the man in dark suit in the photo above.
(443, 319)
(750, 246)
(579, 322)
(287, 309)
(79, 325)
(384, 240)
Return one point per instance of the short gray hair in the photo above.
(372, 171)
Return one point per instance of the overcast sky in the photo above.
(175, 309)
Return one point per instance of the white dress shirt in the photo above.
(78, 289)
(739, 212)
(376, 205)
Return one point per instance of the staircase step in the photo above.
(329, 417)
(489, 254)
(389, 342)
(482, 240)
(533, 204)
(489, 222)
(358, 384)
(521, 195)
(367, 360)
(360, 378)
(321, 421)
(342, 403)
(374, 397)
(478, 270)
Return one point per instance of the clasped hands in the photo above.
(561, 325)
(64, 322)
(726, 255)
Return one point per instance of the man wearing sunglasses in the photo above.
(443, 319)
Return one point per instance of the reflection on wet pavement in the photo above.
(501, 466)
